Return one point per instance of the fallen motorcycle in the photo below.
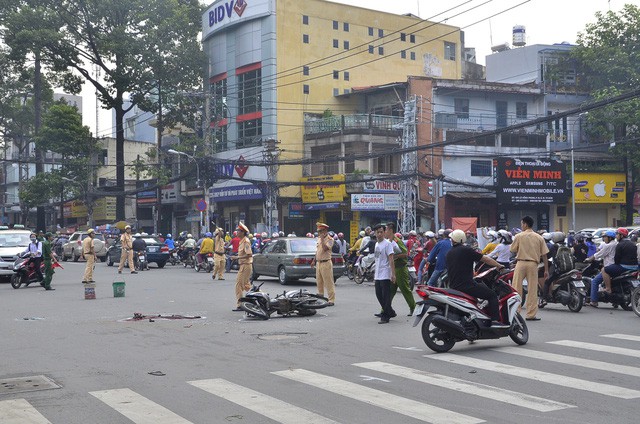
(259, 304)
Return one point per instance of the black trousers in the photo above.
(383, 293)
(481, 291)
(36, 263)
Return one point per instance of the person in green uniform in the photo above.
(47, 256)
(402, 272)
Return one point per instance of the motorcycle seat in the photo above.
(625, 275)
(460, 294)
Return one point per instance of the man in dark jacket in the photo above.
(625, 259)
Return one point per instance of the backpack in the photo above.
(335, 248)
(563, 261)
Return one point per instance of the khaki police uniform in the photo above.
(219, 259)
(127, 251)
(89, 253)
(324, 268)
(245, 261)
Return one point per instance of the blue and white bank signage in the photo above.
(224, 13)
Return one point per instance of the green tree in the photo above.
(608, 60)
(119, 38)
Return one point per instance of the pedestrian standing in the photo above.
(126, 241)
(89, 253)
(400, 258)
(385, 274)
(530, 248)
(219, 260)
(322, 263)
(245, 263)
(47, 256)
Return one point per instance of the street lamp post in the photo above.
(204, 219)
(271, 153)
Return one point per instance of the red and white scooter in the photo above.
(453, 316)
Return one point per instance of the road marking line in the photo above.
(268, 406)
(415, 349)
(19, 411)
(388, 401)
(571, 360)
(138, 408)
(369, 378)
(600, 348)
(478, 389)
(622, 337)
(545, 377)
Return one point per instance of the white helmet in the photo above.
(413, 233)
(505, 236)
(546, 236)
(492, 235)
(136, 235)
(264, 235)
(362, 234)
(189, 236)
(144, 234)
(458, 236)
(558, 237)
(441, 231)
(275, 235)
(429, 234)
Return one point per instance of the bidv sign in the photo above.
(227, 12)
(224, 11)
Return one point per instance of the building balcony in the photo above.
(476, 122)
(352, 124)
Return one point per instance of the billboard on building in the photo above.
(322, 189)
(375, 202)
(530, 181)
(600, 187)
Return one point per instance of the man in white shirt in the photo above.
(606, 253)
(35, 255)
(385, 274)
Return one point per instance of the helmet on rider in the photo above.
(275, 235)
(340, 235)
(610, 233)
(137, 235)
(492, 235)
(362, 234)
(558, 237)
(309, 235)
(169, 235)
(579, 238)
(505, 237)
(235, 233)
(264, 234)
(207, 234)
(398, 235)
(622, 231)
(189, 235)
(440, 232)
(458, 236)
(280, 233)
(429, 234)
(413, 233)
(546, 236)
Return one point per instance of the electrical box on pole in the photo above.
(408, 169)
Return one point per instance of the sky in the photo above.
(546, 22)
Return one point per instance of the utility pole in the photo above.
(408, 169)
(41, 221)
(271, 154)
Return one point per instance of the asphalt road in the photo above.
(338, 366)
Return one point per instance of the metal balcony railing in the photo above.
(361, 121)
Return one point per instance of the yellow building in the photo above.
(273, 62)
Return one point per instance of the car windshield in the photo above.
(14, 240)
(151, 240)
(303, 246)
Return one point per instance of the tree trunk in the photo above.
(37, 103)
(119, 110)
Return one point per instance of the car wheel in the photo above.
(64, 257)
(108, 259)
(282, 275)
(103, 259)
(75, 258)
(161, 264)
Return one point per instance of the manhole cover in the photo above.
(279, 336)
(31, 383)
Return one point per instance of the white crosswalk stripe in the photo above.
(571, 360)
(478, 389)
(597, 347)
(545, 377)
(378, 398)
(138, 408)
(268, 406)
(622, 337)
(19, 411)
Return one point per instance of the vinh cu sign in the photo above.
(533, 181)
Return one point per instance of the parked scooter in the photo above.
(453, 316)
(259, 304)
(24, 271)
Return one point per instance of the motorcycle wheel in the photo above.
(519, 332)
(16, 281)
(437, 340)
(635, 301)
(350, 273)
(314, 302)
(358, 278)
(577, 300)
(254, 310)
(627, 297)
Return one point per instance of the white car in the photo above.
(12, 243)
(73, 248)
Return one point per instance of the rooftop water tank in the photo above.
(519, 35)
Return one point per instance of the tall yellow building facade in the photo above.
(272, 62)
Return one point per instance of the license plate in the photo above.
(153, 249)
(578, 283)
(412, 269)
(210, 260)
(418, 310)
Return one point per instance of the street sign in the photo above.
(201, 205)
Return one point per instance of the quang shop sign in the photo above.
(531, 181)
(323, 189)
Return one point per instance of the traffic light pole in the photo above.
(436, 209)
